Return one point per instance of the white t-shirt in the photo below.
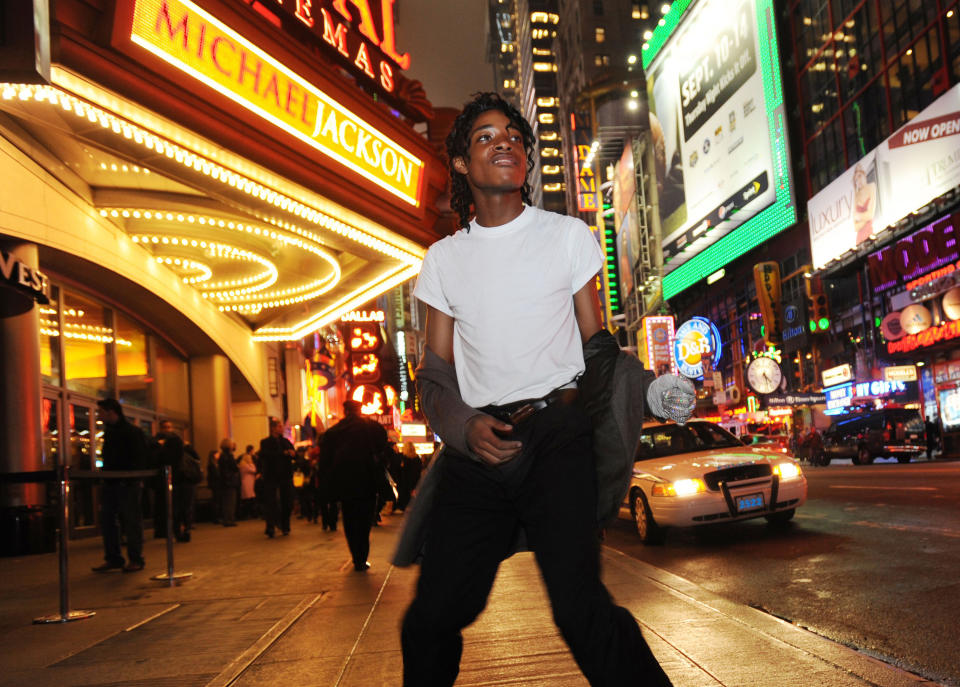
(510, 291)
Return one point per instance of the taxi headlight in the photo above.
(682, 487)
(787, 470)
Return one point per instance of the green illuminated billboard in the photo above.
(719, 132)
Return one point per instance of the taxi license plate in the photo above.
(749, 502)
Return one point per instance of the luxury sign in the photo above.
(195, 42)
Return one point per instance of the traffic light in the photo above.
(819, 314)
(818, 308)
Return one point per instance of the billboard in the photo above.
(915, 165)
(720, 141)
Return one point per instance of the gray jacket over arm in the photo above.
(613, 389)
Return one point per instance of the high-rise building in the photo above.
(522, 47)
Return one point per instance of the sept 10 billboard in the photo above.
(718, 125)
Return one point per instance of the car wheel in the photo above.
(903, 459)
(650, 532)
(863, 457)
(824, 460)
(780, 517)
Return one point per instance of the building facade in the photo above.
(196, 188)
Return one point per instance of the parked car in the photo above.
(699, 473)
(895, 432)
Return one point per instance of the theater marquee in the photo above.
(189, 38)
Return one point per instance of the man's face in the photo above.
(110, 417)
(496, 159)
(276, 429)
(166, 427)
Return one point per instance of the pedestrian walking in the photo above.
(511, 308)
(276, 470)
(229, 482)
(354, 450)
(328, 504)
(124, 448)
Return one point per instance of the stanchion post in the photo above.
(170, 576)
(65, 615)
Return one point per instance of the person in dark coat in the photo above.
(215, 485)
(409, 474)
(329, 507)
(124, 448)
(354, 451)
(169, 450)
(229, 483)
(276, 469)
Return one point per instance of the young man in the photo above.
(510, 302)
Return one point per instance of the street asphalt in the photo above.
(292, 611)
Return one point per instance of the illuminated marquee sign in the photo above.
(195, 42)
(878, 387)
(362, 49)
(930, 248)
(364, 316)
(928, 337)
(658, 331)
(839, 396)
(588, 199)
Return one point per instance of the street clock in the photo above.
(764, 375)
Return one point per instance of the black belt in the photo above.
(518, 411)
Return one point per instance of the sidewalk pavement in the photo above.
(292, 611)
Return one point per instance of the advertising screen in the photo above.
(720, 141)
(914, 166)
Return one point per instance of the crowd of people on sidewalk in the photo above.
(313, 482)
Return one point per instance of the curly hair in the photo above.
(458, 145)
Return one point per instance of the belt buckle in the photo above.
(522, 413)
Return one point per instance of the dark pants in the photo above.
(160, 510)
(228, 504)
(278, 505)
(550, 492)
(120, 508)
(358, 515)
(329, 511)
(182, 510)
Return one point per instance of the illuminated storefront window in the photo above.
(133, 371)
(86, 336)
(49, 316)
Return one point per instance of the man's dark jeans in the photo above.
(550, 492)
(278, 505)
(120, 507)
(358, 516)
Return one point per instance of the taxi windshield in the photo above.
(671, 439)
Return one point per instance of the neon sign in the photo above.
(192, 40)
(363, 316)
(697, 339)
(362, 49)
(928, 337)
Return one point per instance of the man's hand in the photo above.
(483, 441)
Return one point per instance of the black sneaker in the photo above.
(133, 566)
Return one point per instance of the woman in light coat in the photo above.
(248, 479)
